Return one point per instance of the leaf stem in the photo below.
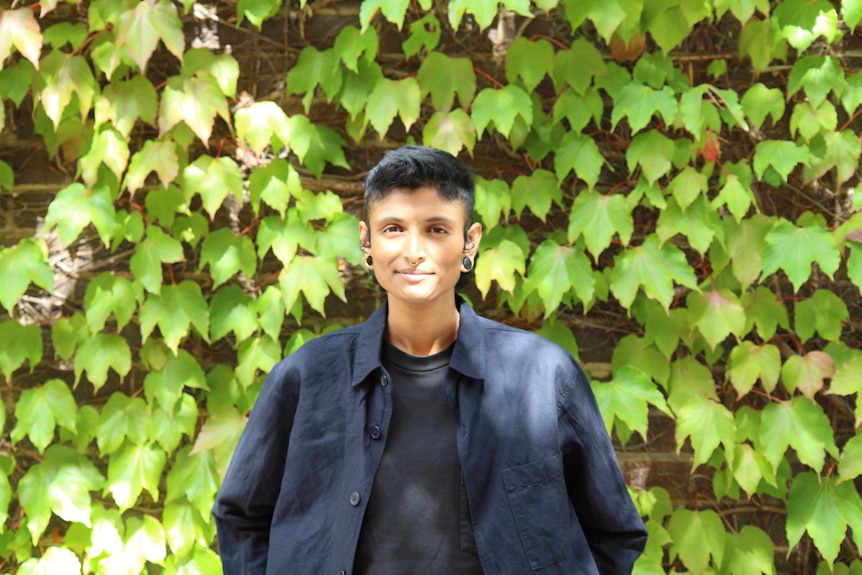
(535, 37)
(488, 76)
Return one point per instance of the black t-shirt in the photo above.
(417, 519)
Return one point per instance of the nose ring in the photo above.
(412, 263)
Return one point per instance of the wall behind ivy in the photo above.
(667, 189)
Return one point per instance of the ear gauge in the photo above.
(467, 263)
(369, 260)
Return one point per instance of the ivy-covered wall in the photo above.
(668, 190)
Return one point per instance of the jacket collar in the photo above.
(468, 357)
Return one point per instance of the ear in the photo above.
(364, 237)
(474, 238)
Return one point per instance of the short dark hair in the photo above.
(415, 167)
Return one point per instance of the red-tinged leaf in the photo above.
(798, 423)
(626, 398)
(530, 61)
(213, 179)
(707, 423)
(390, 98)
(195, 101)
(824, 507)
(443, 77)
(794, 249)
(175, 310)
(807, 372)
(160, 157)
(450, 131)
(220, 434)
(598, 218)
(501, 107)
(500, 263)
(579, 153)
(652, 267)
(20, 265)
(653, 151)
(19, 343)
(19, 28)
(749, 362)
(717, 314)
(697, 536)
(555, 270)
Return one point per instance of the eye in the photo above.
(439, 230)
(391, 229)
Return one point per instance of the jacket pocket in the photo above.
(540, 507)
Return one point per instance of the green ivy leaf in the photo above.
(178, 373)
(644, 355)
(823, 313)
(749, 362)
(21, 264)
(577, 66)
(106, 294)
(99, 353)
(847, 381)
(749, 468)
(19, 28)
(313, 68)
(175, 309)
(736, 195)
(493, 201)
(54, 560)
(625, 398)
(160, 157)
(19, 343)
(794, 249)
(133, 468)
(351, 44)
(850, 464)
(717, 314)
(15, 80)
(75, 207)
(40, 409)
(697, 536)
(122, 417)
(443, 77)
(818, 75)
(326, 146)
(140, 30)
(144, 541)
(782, 156)
(798, 423)
(760, 102)
(284, 236)
(257, 353)
(639, 103)
(580, 154)
(257, 11)
(745, 244)
(124, 102)
(108, 147)
(315, 277)
(653, 151)
(807, 372)
(484, 10)
(501, 107)
(146, 263)
(700, 224)
(227, 254)
(223, 67)
(66, 76)
(231, 309)
(707, 423)
(579, 110)
(194, 477)
(801, 22)
(212, 178)
(531, 61)
(195, 101)
(220, 435)
(392, 10)
(389, 98)
(824, 507)
(450, 131)
(689, 378)
(262, 124)
(749, 552)
(536, 191)
(840, 150)
(274, 184)
(661, 327)
(598, 218)
(653, 267)
(169, 426)
(555, 270)
(423, 32)
(500, 263)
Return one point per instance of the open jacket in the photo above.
(545, 491)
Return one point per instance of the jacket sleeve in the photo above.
(611, 524)
(245, 503)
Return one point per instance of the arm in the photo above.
(611, 524)
(244, 505)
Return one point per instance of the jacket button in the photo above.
(354, 498)
(342, 572)
(384, 381)
(375, 432)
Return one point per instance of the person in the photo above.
(426, 439)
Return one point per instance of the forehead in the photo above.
(426, 200)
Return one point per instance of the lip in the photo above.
(413, 273)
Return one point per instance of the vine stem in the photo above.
(488, 76)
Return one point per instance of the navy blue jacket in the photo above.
(544, 487)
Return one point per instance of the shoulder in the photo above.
(505, 341)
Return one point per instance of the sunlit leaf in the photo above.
(794, 249)
(450, 131)
(213, 179)
(19, 28)
(555, 270)
(798, 423)
(158, 248)
(707, 423)
(444, 77)
(598, 218)
(626, 397)
(579, 153)
(133, 468)
(750, 362)
(40, 409)
(195, 101)
(806, 373)
(21, 264)
(175, 309)
(501, 107)
(697, 537)
(19, 343)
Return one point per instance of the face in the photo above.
(417, 244)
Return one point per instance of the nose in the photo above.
(414, 249)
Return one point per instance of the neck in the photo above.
(422, 331)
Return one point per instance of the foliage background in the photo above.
(667, 187)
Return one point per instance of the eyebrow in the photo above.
(431, 220)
